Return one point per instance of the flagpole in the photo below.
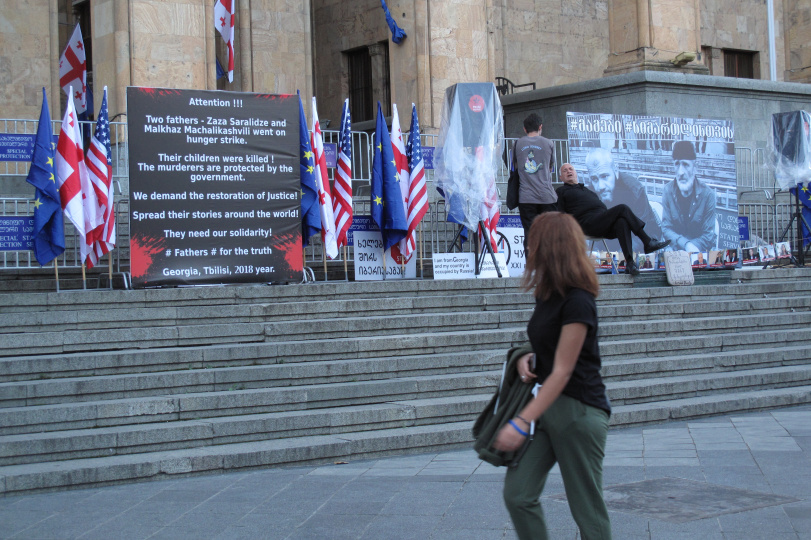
(84, 278)
(324, 256)
(110, 268)
(384, 264)
(420, 253)
(56, 274)
(346, 264)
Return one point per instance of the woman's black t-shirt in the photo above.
(578, 306)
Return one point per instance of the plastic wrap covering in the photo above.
(468, 153)
(790, 148)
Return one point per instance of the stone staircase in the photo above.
(102, 387)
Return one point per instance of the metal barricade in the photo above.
(766, 220)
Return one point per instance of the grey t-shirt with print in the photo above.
(534, 158)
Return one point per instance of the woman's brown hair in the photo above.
(556, 258)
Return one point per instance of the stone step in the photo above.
(622, 368)
(175, 407)
(122, 439)
(344, 446)
(82, 415)
(251, 294)
(687, 386)
(342, 329)
(103, 387)
(618, 347)
(131, 439)
(772, 281)
(618, 306)
(615, 367)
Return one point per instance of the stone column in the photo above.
(653, 34)
(379, 74)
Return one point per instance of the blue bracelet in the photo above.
(518, 429)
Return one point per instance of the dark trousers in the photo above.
(572, 435)
(616, 222)
(529, 212)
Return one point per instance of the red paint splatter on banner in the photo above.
(155, 92)
(290, 245)
(142, 249)
(275, 97)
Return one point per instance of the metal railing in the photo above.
(766, 220)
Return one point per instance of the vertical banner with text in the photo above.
(214, 187)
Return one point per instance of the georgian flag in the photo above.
(71, 173)
(328, 236)
(73, 71)
(224, 24)
(398, 251)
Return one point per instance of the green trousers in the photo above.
(572, 434)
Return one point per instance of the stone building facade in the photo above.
(342, 48)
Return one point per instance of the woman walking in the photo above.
(571, 409)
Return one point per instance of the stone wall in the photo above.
(26, 58)
(748, 103)
(798, 40)
(742, 25)
(552, 43)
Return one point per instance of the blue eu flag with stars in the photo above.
(387, 206)
(310, 214)
(49, 225)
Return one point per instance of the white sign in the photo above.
(368, 250)
(489, 271)
(454, 266)
(515, 240)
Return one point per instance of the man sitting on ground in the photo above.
(599, 221)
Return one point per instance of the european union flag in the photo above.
(397, 33)
(804, 194)
(49, 225)
(310, 215)
(387, 208)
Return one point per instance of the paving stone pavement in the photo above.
(735, 477)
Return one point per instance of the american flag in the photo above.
(322, 183)
(100, 169)
(73, 71)
(398, 252)
(342, 200)
(224, 24)
(417, 192)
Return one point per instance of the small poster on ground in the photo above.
(369, 260)
(783, 250)
(698, 259)
(750, 255)
(716, 258)
(489, 271)
(766, 253)
(647, 262)
(454, 266)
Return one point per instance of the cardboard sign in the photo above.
(454, 266)
(369, 259)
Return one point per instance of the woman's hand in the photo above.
(508, 439)
(525, 368)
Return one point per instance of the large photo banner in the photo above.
(676, 174)
(214, 187)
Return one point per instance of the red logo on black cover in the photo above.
(476, 103)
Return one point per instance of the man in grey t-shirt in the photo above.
(534, 159)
